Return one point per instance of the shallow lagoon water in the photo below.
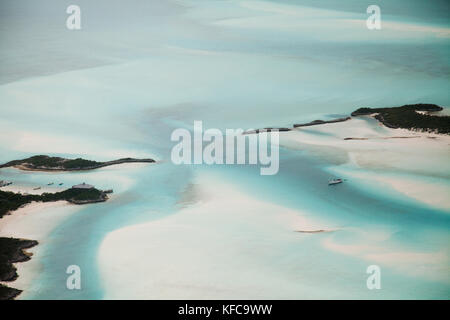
(234, 64)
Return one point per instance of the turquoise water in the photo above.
(136, 72)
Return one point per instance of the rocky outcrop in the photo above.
(7, 293)
(317, 122)
(312, 123)
(267, 130)
(12, 251)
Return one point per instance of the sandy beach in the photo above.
(16, 188)
(34, 221)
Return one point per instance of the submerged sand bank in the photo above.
(227, 244)
(382, 155)
(207, 249)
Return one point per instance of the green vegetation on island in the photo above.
(47, 163)
(10, 201)
(12, 251)
(7, 293)
(412, 117)
(318, 122)
(297, 125)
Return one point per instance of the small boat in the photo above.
(335, 181)
(50, 184)
(37, 188)
(61, 184)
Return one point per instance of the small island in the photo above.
(317, 122)
(417, 117)
(297, 125)
(79, 194)
(412, 117)
(47, 163)
(266, 130)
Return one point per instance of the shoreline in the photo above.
(423, 111)
(33, 221)
(297, 125)
(78, 194)
(24, 167)
(413, 116)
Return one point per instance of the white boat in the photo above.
(335, 181)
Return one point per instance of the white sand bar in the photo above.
(224, 246)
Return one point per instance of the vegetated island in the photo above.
(12, 250)
(47, 163)
(412, 117)
(297, 125)
(317, 122)
(10, 201)
(417, 117)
